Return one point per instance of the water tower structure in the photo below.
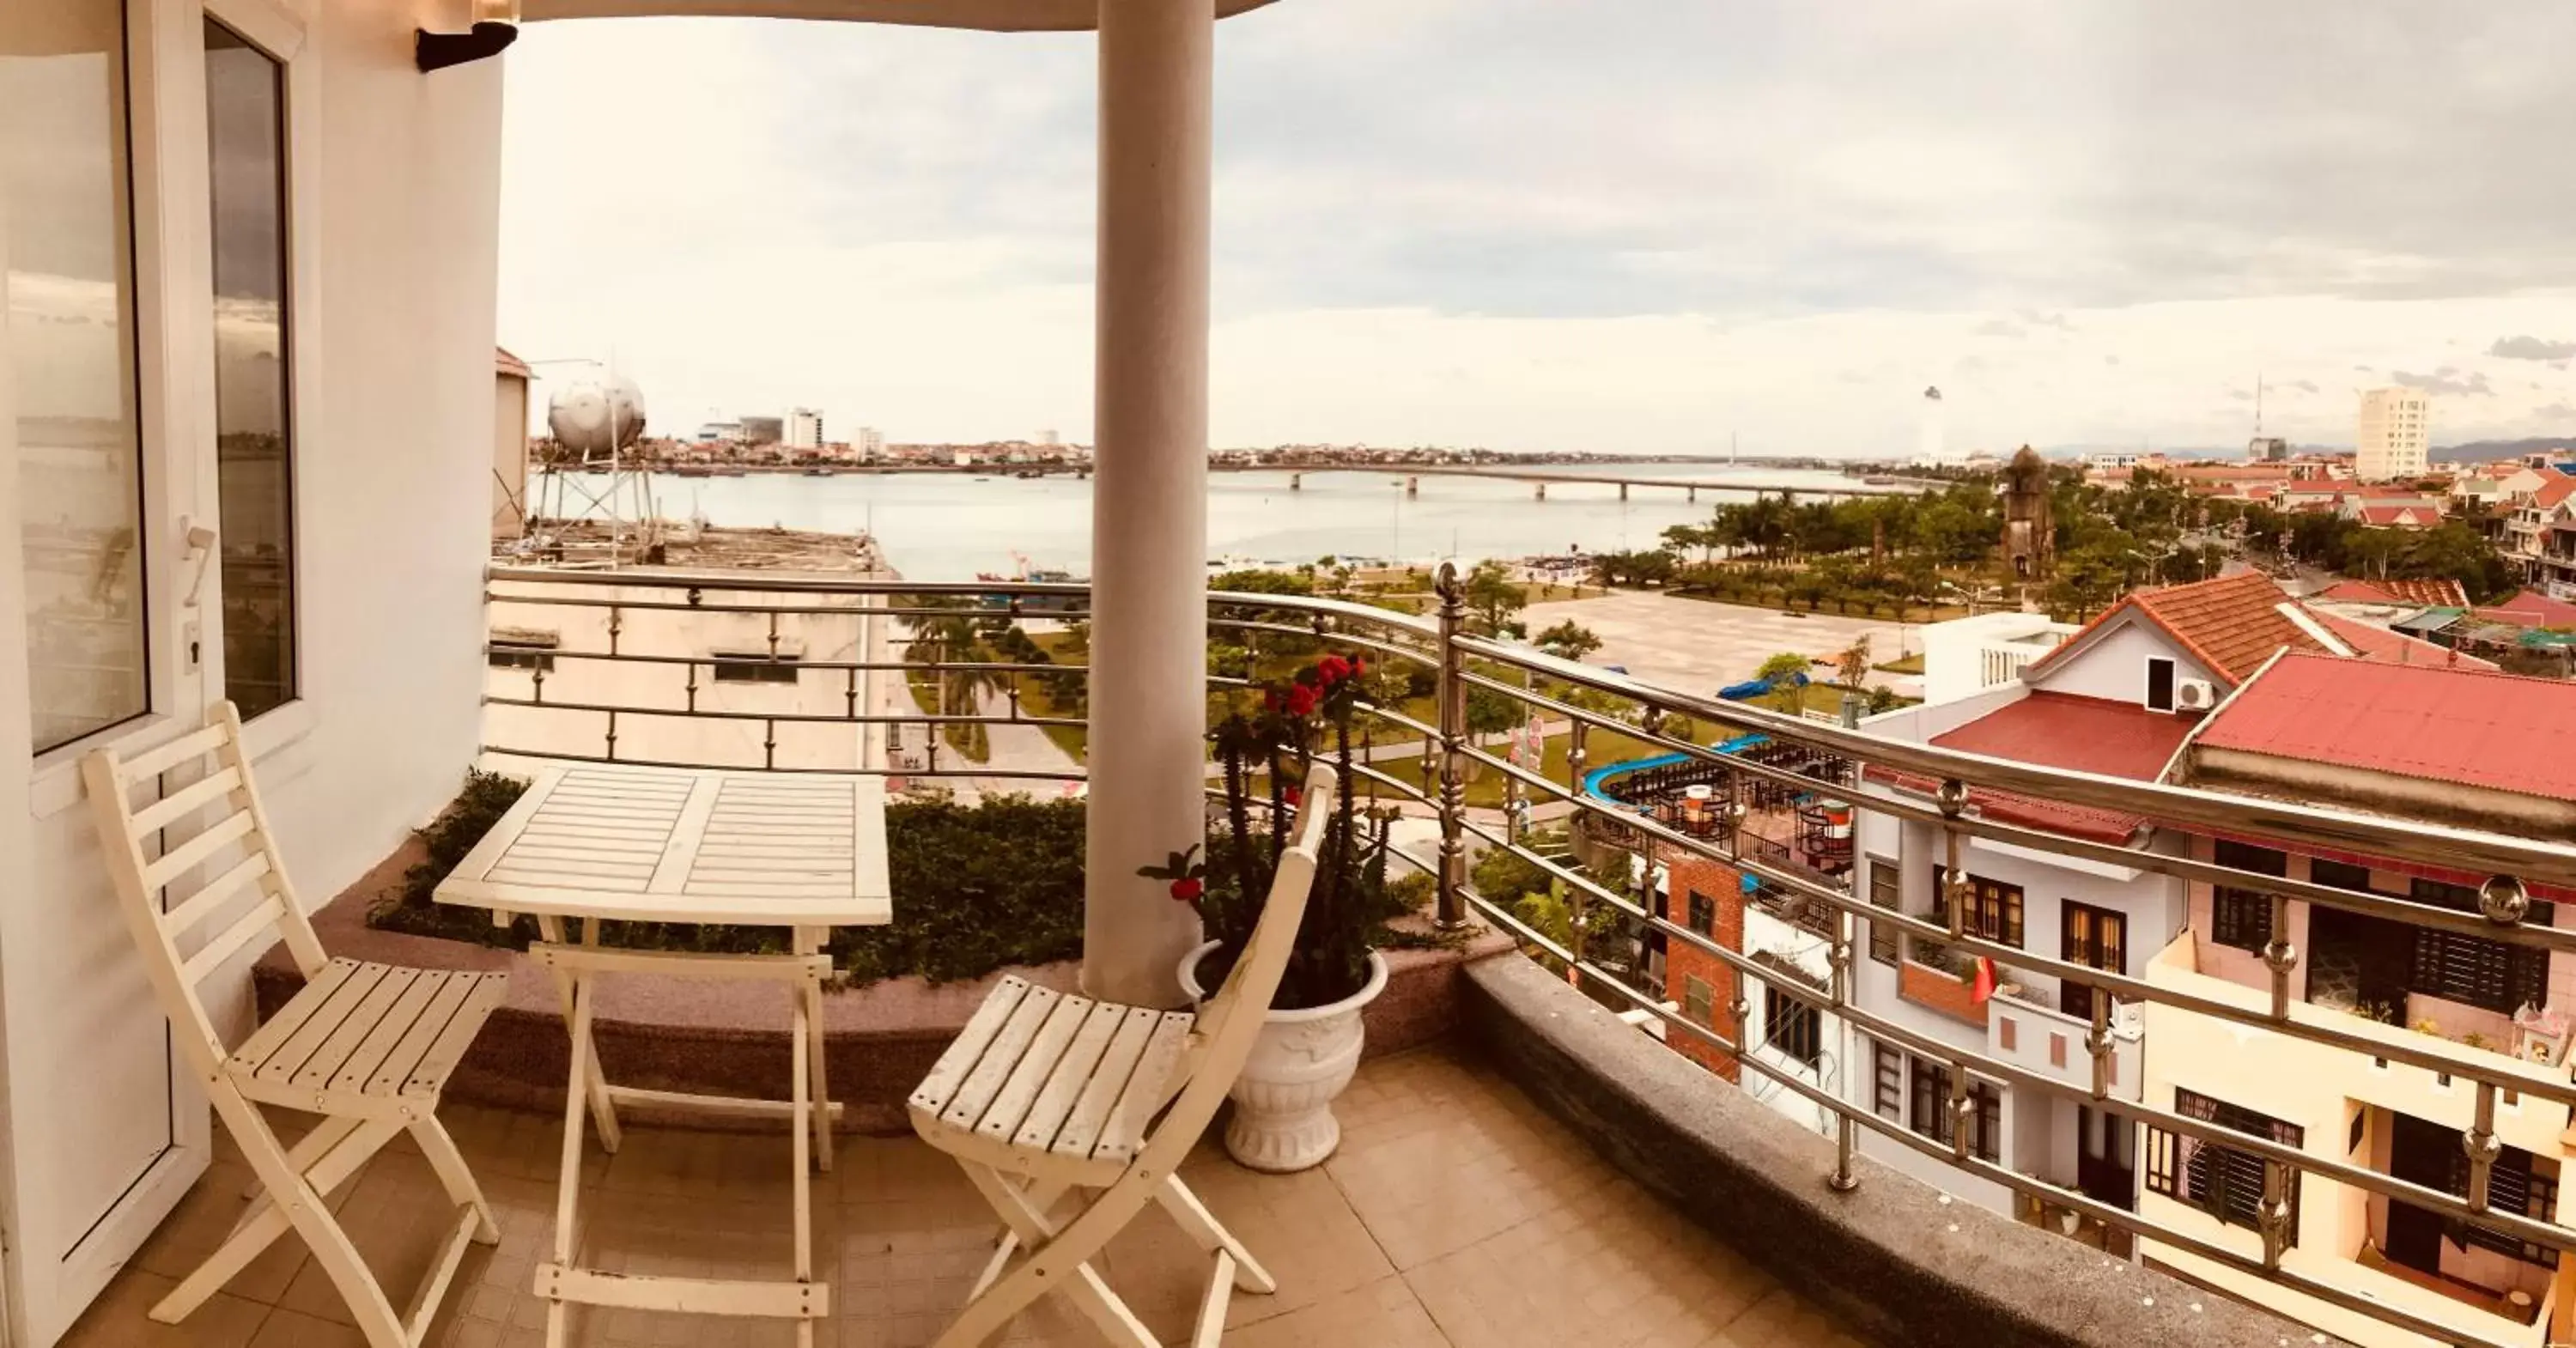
(596, 478)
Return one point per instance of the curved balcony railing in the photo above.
(662, 685)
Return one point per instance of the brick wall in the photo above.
(1682, 961)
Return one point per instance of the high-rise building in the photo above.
(2267, 449)
(868, 444)
(763, 430)
(2395, 424)
(804, 429)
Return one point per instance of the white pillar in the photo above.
(1149, 493)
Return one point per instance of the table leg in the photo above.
(603, 1111)
(809, 941)
(568, 1178)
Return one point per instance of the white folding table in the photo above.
(603, 842)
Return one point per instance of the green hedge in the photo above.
(984, 887)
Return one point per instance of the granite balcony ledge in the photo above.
(730, 1038)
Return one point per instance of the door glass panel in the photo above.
(67, 275)
(254, 444)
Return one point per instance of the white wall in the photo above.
(1967, 656)
(2114, 666)
(709, 740)
(395, 178)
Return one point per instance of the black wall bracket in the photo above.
(437, 51)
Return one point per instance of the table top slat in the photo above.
(709, 845)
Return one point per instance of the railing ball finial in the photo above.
(1953, 797)
(2504, 900)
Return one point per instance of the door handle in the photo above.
(200, 544)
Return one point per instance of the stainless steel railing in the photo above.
(1595, 701)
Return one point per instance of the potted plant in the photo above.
(1310, 1043)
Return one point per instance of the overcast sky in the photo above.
(1622, 225)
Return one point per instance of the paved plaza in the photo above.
(1694, 646)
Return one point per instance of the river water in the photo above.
(952, 526)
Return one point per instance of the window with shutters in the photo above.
(2223, 1181)
(2243, 917)
(1698, 1001)
(1994, 908)
(1792, 1026)
(1931, 1115)
(1889, 1065)
(1886, 885)
(1703, 913)
(2473, 970)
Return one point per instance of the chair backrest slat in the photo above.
(187, 800)
(250, 925)
(196, 851)
(217, 894)
(1231, 1019)
(123, 832)
(161, 758)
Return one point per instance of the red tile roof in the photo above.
(2396, 648)
(2427, 592)
(2231, 624)
(2086, 734)
(2557, 489)
(2531, 608)
(2062, 730)
(2423, 721)
(2416, 517)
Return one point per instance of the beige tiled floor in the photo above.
(1454, 1214)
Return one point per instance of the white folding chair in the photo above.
(366, 1046)
(1045, 1093)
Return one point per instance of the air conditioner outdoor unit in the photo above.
(2195, 695)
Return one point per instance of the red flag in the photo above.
(1984, 990)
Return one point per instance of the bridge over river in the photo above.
(1540, 480)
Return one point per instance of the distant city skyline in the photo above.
(1538, 227)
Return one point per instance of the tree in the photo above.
(1493, 596)
(1786, 671)
(1852, 663)
(1568, 641)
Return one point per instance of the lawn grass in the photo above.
(1912, 664)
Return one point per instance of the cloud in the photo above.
(2302, 385)
(1535, 225)
(2445, 381)
(2556, 412)
(2531, 348)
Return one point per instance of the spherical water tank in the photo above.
(596, 413)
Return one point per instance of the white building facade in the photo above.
(2394, 434)
(804, 429)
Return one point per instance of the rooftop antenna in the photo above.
(2258, 404)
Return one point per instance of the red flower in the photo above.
(1301, 699)
(1270, 700)
(1333, 669)
(1359, 667)
(1187, 890)
(1295, 795)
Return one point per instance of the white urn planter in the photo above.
(1283, 1103)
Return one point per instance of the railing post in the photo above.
(1839, 957)
(1453, 752)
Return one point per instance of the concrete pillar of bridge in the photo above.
(1691, 495)
(1413, 486)
(1149, 499)
(1296, 482)
(1623, 491)
(1541, 489)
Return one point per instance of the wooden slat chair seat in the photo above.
(366, 1037)
(1046, 1093)
(366, 1046)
